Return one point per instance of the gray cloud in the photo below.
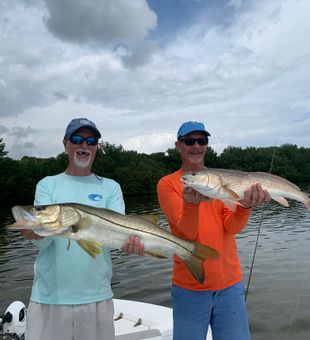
(22, 132)
(139, 54)
(106, 22)
(3, 129)
(28, 145)
(18, 96)
(60, 95)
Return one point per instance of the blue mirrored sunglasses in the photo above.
(75, 139)
(191, 141)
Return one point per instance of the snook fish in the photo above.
(229, 186)
(92, 227)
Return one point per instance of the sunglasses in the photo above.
(75, 139)
(191, 141)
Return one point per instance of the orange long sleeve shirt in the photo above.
(210, 223)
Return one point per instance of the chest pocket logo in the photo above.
(95, 197)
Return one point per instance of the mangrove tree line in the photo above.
(138, 173)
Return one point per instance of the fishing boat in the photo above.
(133, 320)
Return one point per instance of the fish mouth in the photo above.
(187, 180)
(21, 214)
(23, 218)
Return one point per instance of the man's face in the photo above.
(81, 155)
(192, 155)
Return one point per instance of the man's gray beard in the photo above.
(79, 163)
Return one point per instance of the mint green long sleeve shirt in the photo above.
(71, 276)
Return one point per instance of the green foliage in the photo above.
(211, 159)
(139, 173)
(249, 159)
(9, 180)
(288, 161)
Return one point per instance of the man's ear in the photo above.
(177, 146)
(65, 144)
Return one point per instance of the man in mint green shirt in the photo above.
(71, 296)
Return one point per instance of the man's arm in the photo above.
(181, 211)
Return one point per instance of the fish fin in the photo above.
(232, 194)
(195, 261)
(231, 204)
(156, 253)
(278, 178)
(69, 244)
(151, 218)
(281, 200)
(83, 223)
(92, 248)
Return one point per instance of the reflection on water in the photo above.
(279, 295)
(279, 291)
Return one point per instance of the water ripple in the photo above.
(279, 293)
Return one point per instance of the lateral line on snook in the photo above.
(131, 228)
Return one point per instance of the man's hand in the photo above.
(30, 235)
(194, 197)
(254, 196)
(134, 246)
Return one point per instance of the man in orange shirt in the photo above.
(219, 301)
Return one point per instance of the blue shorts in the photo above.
(224, 310)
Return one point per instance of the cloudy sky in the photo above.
(139, 68)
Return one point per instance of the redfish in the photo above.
(229, 186)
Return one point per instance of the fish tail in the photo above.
(205, 252)
(195, 260)
(195, 266)
(306, 200)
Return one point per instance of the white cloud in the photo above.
(149, 143)
(235, 3)
(247, 80)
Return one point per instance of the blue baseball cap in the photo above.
(79, 123)
(188, 127)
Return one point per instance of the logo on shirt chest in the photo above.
(95, 197)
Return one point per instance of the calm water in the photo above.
(279, 295)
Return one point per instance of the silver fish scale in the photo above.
(238, 181)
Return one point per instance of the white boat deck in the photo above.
(132, 320)
(140, 320)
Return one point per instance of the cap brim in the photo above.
(94, 130)
(201, 131)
